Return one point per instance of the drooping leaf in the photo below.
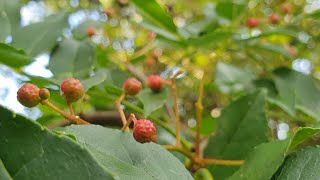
(297, 91)
(231, 79)
(40, 37)
(30, 151)
(72, 58)
(152, 101)
(13, 57)
(262, 162)
(156, 18)
(4, 174)
(241, 126)
(128, 159)
(301, 165)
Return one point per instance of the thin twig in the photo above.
(130, 119)
(122, 115)
(175, 107)
(199, 110)
(75, 119)
(222, 162)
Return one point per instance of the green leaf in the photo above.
(273, 48)
(5, 26)
(285, 83)
(241, 126)
(156, 18)
(230, 10)
(297, 91)
(12, 10)
(72, 58)
(301, 135)
(4, 174)
(231, 79)
(40, 37)
(98, 78)
(263, 161)
(34, 152)
(152, 101)
(212, 38)
(125, 157)
(302, 165)
(278, 32)
(13, 57)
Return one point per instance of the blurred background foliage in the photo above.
(139, 38)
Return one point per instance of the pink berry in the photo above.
(44, 93)
(154, 83)
(132, 86)
(28, 95)
(144, 131)
(91, 31)
(252, 22)
(273, 19)
(71, 89)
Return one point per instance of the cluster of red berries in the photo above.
(72, 90)
(273, 18)
(143, 129)
(31, 95)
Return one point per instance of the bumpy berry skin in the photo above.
(252, 22)
(71, 90)
(132, 86)
(273, 19)
(28, 95)
(155, 83)
(91, 31)
(44, 93)
(144, 131)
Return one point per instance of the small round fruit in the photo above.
(144, 131)
(109, 12)
(132, 86)
(149, 62)
(252, 22)
(273, 19)
(28, 95)
(44, 93)
(71, 90)
(286, 8)
(151, 35)
(91, 31)
(154, 83)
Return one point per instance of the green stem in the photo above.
(137, 109)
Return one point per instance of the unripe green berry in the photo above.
(132, 86)
(28, 95)
(71, 90)
(144, 131)
(44, 93)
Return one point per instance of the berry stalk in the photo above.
(122, 115)
(75, 119)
